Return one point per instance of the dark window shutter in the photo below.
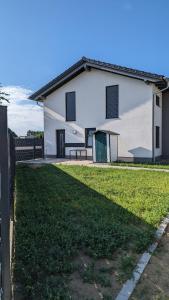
(157, 137)
(157, 100)
(112, 102)
(70, 106)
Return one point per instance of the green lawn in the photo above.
(141, 165)
(62, 211)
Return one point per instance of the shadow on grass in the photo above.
(57, 216)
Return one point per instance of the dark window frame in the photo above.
(66, 104)
(157, 133)
(86, 136)
(157, 101)
(116, 117)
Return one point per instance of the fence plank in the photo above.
(5, 205)
(29, 148)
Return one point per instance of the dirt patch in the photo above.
(154, 283)
(96, 279)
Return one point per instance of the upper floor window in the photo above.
(157, 100)
(157, 137)
(89, 137)
(112, 102)
(71, 106)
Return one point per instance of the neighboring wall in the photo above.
(135, 113)
(157, 121)
(165, 114)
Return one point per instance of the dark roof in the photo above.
(124, 69)
(87, 63)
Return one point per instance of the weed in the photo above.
(90, 275)
(126, 267)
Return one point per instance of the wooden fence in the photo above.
(28, 148)
(7, 173)
(11, 150)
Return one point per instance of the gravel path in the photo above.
(88, 163)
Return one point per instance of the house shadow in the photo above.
(58, 216)
(141, 154)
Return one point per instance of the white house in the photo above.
(107, 111)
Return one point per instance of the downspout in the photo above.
(153, 112)
(109, 147)
(153, 124)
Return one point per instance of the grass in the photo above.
(141, 165)
(63, 210)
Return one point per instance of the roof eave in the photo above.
(161, 84)
(61, 79)
(81, 66)
(123, 73)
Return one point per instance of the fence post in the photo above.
(4, 205)
(34, 149)
(43, 152)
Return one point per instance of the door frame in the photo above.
(57, 144)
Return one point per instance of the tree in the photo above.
(3, 96)
(38, 134)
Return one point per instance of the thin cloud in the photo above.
(23, 114)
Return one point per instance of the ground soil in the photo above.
(81, 289)
(154, 283)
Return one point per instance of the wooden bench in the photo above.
(78, 153)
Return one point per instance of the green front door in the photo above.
(101, 147)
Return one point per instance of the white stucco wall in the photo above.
(135, 113)
(113, 147)
(157, 121)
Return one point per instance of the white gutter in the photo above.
(166, 88)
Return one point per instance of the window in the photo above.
(157, 100)
(112, 102)
(157, 137)
(89, 137)
(70, 106)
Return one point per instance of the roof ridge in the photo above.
(79, 67)
(120, 67)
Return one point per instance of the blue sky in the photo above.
(41, 38)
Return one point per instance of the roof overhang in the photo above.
(106, 131)
(86, 65)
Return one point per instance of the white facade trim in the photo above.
(108, 147)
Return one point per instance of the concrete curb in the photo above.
(128, 168)
(87, 163)
(129, 285)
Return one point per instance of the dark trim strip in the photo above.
(135, 159)
(74, 145)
